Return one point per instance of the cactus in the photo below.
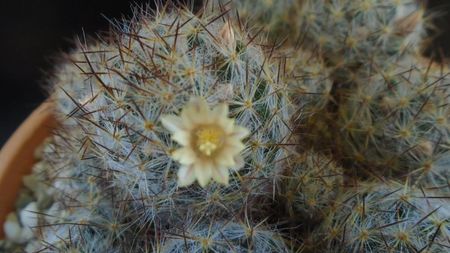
(391, 122)
(386, 217)
(350, 34)
(248, 126)
(216, 236)
(113, 165)
(309, 185)
(278, 19)
(346, 33)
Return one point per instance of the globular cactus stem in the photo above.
(248, 126)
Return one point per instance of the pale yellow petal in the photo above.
(186, 176)
(172, 123)
(187, 120)
(240, 163)
(182, 137)
(206, 119)
(226, 159)
(195, 112)
(221, 175)
(240, 132)
(234, 146)
(185, 156)
(203, 174)
(227, 125)
(220, 111)
(197, 105)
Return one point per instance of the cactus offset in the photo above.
(386, 217)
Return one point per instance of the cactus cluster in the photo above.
(277, 19)
(309, 184)
(386, 217)
(352, 34)
(249, 126)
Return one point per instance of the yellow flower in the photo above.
(211, 142)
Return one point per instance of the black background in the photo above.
(34, 32)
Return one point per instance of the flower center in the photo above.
(208, 139)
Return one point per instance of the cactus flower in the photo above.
(211, 142)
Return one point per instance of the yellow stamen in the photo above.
(208, 139)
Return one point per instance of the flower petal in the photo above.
(186, 176)
(226, 159)
(240, 163)
(197, 105)
(181, 137)
(221, 175)
(227, 125)
(220, 111)
(240, 132)
(234, 146)
(184, 156)
(195, 112)
(172, 123)
(203, 174)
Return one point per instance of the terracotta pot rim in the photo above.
(17, 156)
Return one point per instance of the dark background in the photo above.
(34, 32)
